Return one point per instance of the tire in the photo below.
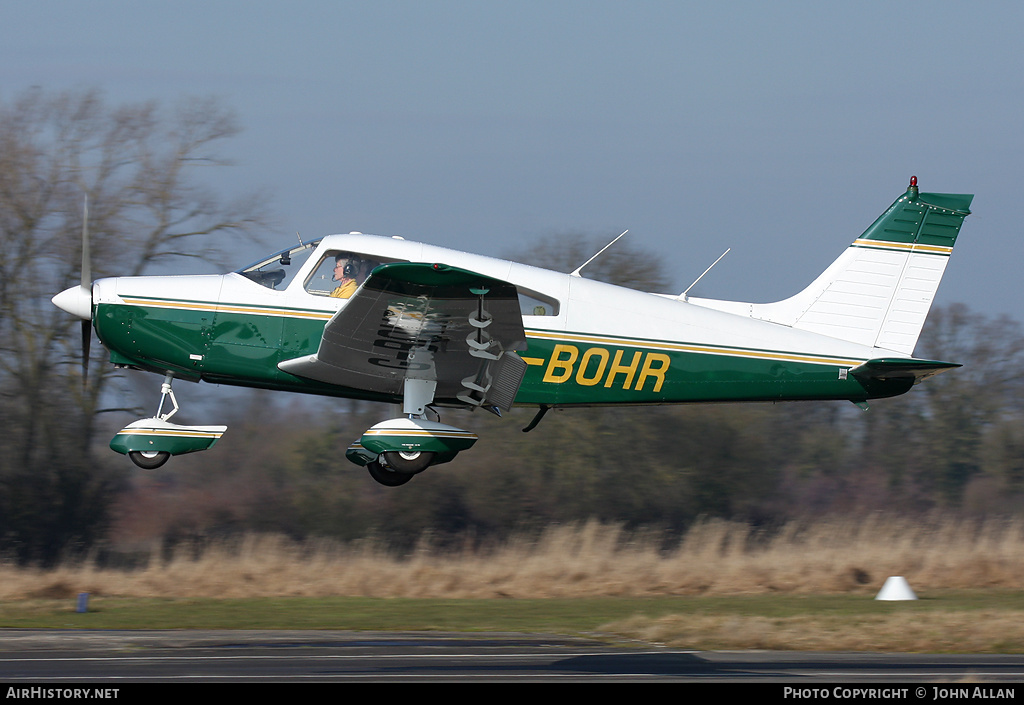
(408, 463)
(386, 476)
(149, 460)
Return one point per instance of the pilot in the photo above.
(348, 272)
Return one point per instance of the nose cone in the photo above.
(77, 301)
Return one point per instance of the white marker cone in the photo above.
(896, 588)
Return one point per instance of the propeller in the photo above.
(86, 285)
(78, 299)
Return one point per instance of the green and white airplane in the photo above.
(390, 320)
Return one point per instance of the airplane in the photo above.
(402, 322)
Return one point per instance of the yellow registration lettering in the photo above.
(560, 370)
(650, 370)
(618, 368)
(581, 374)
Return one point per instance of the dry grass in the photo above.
(590, 560)
(982, 631)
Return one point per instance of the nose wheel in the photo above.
(149, 460)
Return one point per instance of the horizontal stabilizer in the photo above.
(886, 368)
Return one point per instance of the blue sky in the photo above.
(780, 130)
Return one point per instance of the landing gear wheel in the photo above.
(409, 463)
(149, 460)
(387, 476)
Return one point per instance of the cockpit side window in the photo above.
(340, 272)
(277, 271)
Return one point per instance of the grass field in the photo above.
(974, 622)
(723, 586)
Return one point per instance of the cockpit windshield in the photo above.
(277, 271)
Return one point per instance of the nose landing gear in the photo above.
(150, 443)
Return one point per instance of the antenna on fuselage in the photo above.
(286, 257)
(682, 296)
(576, 272)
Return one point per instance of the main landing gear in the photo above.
(384, 473)
(150, 443)
(394, 451)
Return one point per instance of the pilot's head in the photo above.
(346, 266)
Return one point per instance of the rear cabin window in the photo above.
(532, 303)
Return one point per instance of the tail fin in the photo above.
(878, 292)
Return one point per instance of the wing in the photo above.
(428, 322)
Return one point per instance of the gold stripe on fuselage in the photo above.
(693, 348)
(228, 308)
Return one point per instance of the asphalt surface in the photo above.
(58, 658)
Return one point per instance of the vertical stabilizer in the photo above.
(879, 291)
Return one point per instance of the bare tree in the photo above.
(139, 167)
(623, 263)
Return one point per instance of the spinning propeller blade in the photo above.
(86, 287)
(86, 268)
(78, 299)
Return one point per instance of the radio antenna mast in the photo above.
(682, 296)
(576, 272)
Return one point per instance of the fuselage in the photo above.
(589, 343)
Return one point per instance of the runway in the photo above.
(108, 658)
